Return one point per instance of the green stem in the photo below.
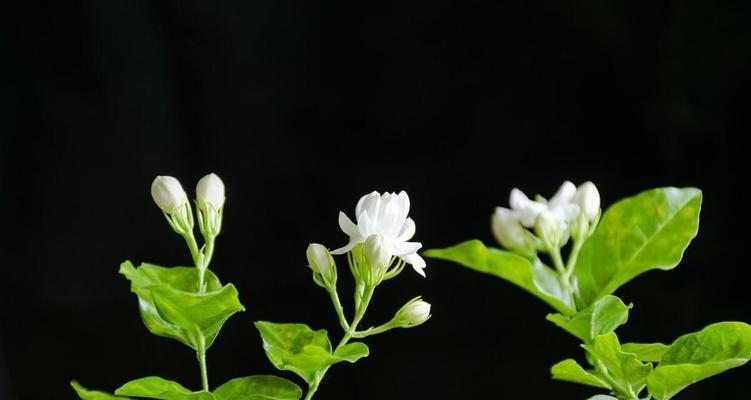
(555, 255)
(572, 257)
(201, 353)
(339, 309)
(620, 389)
(348, 333)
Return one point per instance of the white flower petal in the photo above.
(368, 202)
(407, 231)
(565, 194)
(345, 249)
(405, 248)
(364, 225)
(528, 215)
(417, 263)
(404, 197)
(518, 200)
(348, 226)
(389, 222)
(566, 212)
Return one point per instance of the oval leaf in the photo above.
(87, 394)
(295, 347)
(535, 277)
(570, 371)
(646, 351)
(261, 387)
(604, 316)
(699, 355)
(170, 305)
(154, 387)
(648, 231)
(350, 352)
(623, 367)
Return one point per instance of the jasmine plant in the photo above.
(641, 233)
(190, 304)
(378, 250)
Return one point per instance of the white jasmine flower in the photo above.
(210, 192)
(319, 259)
(414, 313)
(588, 199)
(376, 252)
(561, 206)
(168, 194)
(507, 229)
(384, 214)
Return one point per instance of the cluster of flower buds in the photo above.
(169, 195)
(572, 211)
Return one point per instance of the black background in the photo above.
(302, 107)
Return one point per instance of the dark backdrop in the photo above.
(304, 106)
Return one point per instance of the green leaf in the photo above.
(295, 347)
(351, 352)
(604, 316)
(154, 387)
(699, 355)
(623, 367)
(648, 231)
(533, 277)
(646, 351)
(170, 305)
(261, 387)
(87, 394)
(570, 371)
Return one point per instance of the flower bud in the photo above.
(588, 199)
(210, 192)
(548, 228)
(168, 194)
(376, 253)
(507, 229)
(414, 313)
(321, 262)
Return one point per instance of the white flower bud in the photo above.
(210, 192)
(376, 253)
(414, 313)
(320, 260)
(507, 229)
(588, 199)
(168, 194)
(548, 228)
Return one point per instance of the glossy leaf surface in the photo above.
(297, 348)
(261, 387)
(623, 367)
(604, 316)
(569, 370)
(533, 277)
(648, 231)
(87, 394)
(154, 387)
(699, 355)
(646, 351)
(170, 305)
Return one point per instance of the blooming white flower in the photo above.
(561, 206)
(384, 214)
(167, 193)
(507, 229)
(210, 192)
(376, 252)
(588, 199)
